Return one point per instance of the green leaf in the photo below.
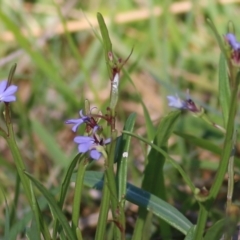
(123, 147)
(19, 226)
(215, 232)
(144, 199)
(67, 179)
(54, 150)
(106, 40)
(190, 233)
(37, 217)
(224, 89)
(153, 180)
(218, 37)
(168, 158)
(200, 142)
(149, 124)
(153, 175)
(54, 206)
(33, 230)
(7, 218)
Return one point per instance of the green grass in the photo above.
(172, 52)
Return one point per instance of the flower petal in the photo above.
(84, 147)
(83, 139)
(8, 99)
(7, 94)
(77, 123)
(10, 90)
(107, 141)
(175, 102)
(95, 154)
(3, 85)
(231, 38)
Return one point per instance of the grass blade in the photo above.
(153, 181)
(54, 206)
(224, 89)
(123, 148)
(106, 41)
(144, 199)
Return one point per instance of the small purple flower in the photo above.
(176, 102)
(231, 39)
(235, 46)
(7, 93)
(79, 121)
(91, 144)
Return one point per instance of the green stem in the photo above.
(19, 164)
(117, 210)
(224, 161)
(20, 169)
(102, 220)
(227, 147)
(202, 218)
(78, 193)
(229, 221)
(230, 183)
(15, 202)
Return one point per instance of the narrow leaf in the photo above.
(190, 233)
(7, 218)
(54, 206)
(168, 158)
(218, 37)
(106, 40)
(122, 152)
(153, 180)
(144, 199)
(224, 89)
(67, 179)
(215, 232)
(32, 232)
(200, 142)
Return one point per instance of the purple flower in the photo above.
(231, 39)
(79, 121)
(176, 102)
(235, 46)
(91, 144)
(7, 93)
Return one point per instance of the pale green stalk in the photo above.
(103, 214)
(78, 194)
(20, 169)
(117, 211)
(230, 191)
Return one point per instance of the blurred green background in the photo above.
(60, 63)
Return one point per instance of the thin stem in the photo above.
(20, 169)
(202, 218)
(230, 183)
(15, 202)
(104, 208)
(78, 193)
(227, 234)
(227, 148)
(117, 210)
